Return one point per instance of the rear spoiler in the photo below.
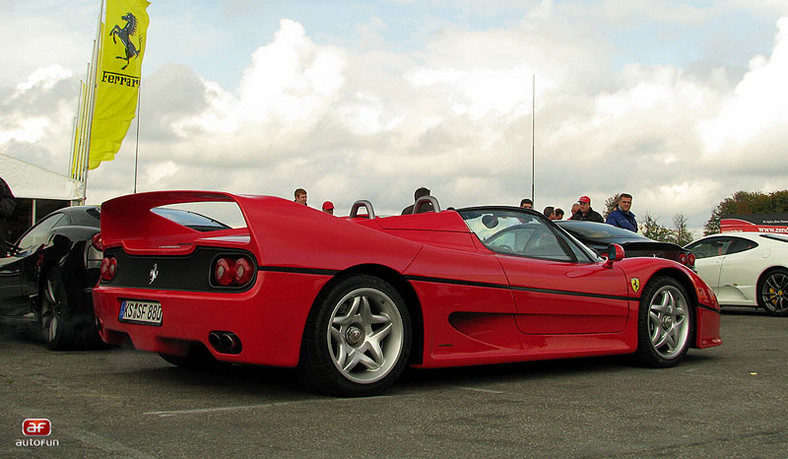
(129, 221)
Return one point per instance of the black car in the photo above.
(597, 236)
(49, 274)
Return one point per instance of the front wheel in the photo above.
(773, 292)
(664, 323)
(357, 339)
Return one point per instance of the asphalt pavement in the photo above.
(729, 401)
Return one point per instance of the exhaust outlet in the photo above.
(225, 342)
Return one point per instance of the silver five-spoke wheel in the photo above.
(668, 323)
(357, 339)
(664, 323)
(366, 335)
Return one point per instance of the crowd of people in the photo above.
(621, 216)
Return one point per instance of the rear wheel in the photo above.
(773, 292)
(664, 323)
(357, 339)
(63, 326)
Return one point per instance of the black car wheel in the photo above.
(664, 323)
(63, 326)
(357, 339)
(773, 292)
(53, 302)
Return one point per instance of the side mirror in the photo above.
(614, 253)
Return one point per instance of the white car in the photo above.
(745, 269)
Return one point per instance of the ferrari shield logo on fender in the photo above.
(635, 282)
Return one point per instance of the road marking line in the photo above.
(221, 409)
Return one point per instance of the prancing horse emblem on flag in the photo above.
(635, 282)
(124, 35)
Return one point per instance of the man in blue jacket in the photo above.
(622, 217)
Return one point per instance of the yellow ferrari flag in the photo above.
(123, 39)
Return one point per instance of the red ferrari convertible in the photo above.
(350, 302)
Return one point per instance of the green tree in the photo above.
(745, 203)
(653, 230)
(680, 234)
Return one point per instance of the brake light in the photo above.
(97, 242)
(691, 260)
(223, 271)
(109, 267)
(232, 271)
(683, 259)
(243, 271)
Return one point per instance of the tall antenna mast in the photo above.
(533, 131)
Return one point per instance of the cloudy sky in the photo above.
(680, 103)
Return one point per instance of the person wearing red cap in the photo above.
(328, 207)
(586, 212)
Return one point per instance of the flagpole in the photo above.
(137, 147)
(533, 132)
(91, 103)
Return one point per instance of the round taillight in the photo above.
(97, 242)
(683, 259)
(243, 271)
(109, 267)
(691, 260)
(223, 271)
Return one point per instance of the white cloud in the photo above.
(758, 105)
(453, 113)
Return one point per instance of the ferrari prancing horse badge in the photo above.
(635, 282)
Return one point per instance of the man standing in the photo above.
(621, 216)
(300, 196)
(586, 212)
(527, 204)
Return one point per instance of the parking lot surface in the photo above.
(729, 401)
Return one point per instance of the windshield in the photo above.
(776, 236)
(516, 232)
(592, 230)
(191, 220)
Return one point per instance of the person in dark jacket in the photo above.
(621, 216)
(586, 212)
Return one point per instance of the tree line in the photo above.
(740, 203)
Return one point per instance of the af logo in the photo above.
(124, 34)
(154, 273)
(635, 282)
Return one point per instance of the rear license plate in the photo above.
(140, 312)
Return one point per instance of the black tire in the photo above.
(773, 292)
(63, 324)
(665, 323)
(357, 339)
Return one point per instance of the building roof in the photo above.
(29, 181)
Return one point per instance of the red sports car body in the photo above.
(351, 301)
